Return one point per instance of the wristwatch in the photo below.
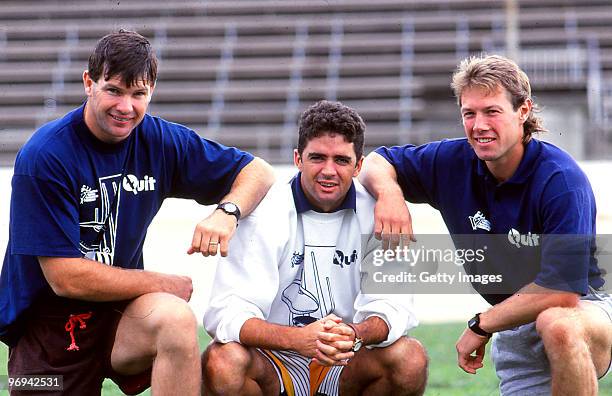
(358, 341)
(474, 325)
(230, 208)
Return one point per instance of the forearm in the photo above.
(373, 330)
(524, 307)
(89, 280)
(258, 333)
(251, 185)
(379, 177)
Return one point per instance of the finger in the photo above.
(385, 236)
(344, 356)
(323, 360)
(224, 245)
(394, 236)
(378, 228)
(408, 229)
(213, 245)
(343, 346)
(196, 240)
(334, 317)
(332, 337)
(462, 363)
(480, 353)
(326, 349)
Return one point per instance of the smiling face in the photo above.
(328, 165)
(113, 109)
(494, 129)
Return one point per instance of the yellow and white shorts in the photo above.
(300, 376)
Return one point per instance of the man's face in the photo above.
(494, 129)
(328, 165)
(113, 110)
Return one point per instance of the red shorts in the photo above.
(74, 339)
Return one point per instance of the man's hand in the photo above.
(471, 351)
(315, 339)
(335, 344)
(393, 223)
(180, 286)
(213, 234)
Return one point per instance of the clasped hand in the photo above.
(327, 341)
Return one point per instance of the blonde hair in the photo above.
(492, 71)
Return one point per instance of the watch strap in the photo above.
(474, 325)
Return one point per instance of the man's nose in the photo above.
(480, 123)
(124, 104)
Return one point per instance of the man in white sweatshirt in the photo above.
(286, 311)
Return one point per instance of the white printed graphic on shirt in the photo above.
(104, 250)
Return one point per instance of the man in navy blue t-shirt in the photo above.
(550, 321)
(75, 300)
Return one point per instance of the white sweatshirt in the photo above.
(292, 269)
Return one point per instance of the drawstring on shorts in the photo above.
(71, 325)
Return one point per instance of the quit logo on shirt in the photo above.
(134, 185)
(518, 239)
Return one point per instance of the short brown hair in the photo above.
(493, 71)
(331, 117)
(125, 54)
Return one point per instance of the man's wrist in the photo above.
(474, 325)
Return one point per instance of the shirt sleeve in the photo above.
(45, 219)
(415, 168)
(205, 170)
(568, 241)
(245, 282)
(395, 309)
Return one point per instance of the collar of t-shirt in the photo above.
(303, 205)
(524, 170)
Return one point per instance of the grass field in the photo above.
(445, 378)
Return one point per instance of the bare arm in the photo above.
(373, 330)
(392, 218)
(522, 307)
(84, 279)
(248, 189)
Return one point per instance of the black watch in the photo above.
(230, 208)
(474, 325)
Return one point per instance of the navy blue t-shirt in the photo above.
(543, 216)
(64, 190)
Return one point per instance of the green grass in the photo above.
(445, 378)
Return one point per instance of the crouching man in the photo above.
(286, 311)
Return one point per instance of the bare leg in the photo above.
(232, 369)
(159, 330)
(578, 342)
(399, 369)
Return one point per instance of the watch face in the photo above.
(357, 345)
(471, 322)
(230, 207)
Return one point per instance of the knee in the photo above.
(559, 329)
(407, 364)
(224, 367)
(174, 323)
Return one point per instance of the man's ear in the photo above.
(358, 166)
(87, 83)
(297, 159)
(151, 89)
(525, 109)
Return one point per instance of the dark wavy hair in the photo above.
(125, 54)
(331, 117)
